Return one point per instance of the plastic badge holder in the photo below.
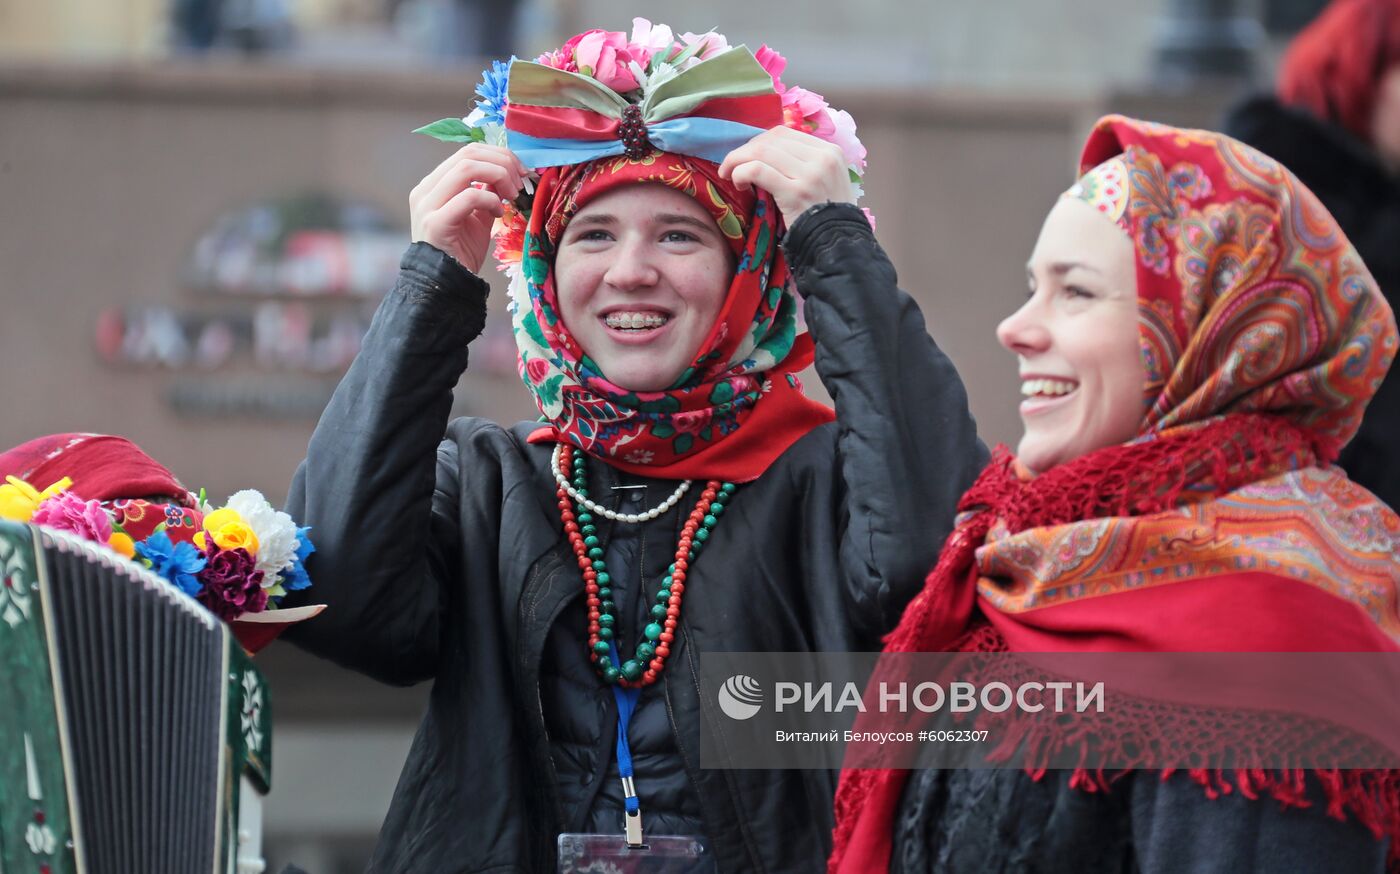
(610, 854)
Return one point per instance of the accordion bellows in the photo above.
(132, 726)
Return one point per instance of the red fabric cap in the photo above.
(103, 467)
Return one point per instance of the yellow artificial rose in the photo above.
(19, 500)
(229, 531)
(121, 543)
(221, 517)
(236, 535)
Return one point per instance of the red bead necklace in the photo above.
(657, 638)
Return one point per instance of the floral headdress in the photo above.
(603, 94)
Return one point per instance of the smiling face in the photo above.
(1076, 339)
(641, 274)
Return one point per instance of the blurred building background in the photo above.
(201, 201)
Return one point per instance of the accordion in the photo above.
(134, 731)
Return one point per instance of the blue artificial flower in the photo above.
(295, 577)
(492, 91)
(177, 562)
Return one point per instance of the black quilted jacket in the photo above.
(443, 560)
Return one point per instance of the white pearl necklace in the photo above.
(563, 480)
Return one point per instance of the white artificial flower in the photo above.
(661, 74)
(495, 134)
(656, 39)
(275, 530)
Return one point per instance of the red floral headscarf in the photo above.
(738, 405)
(1250, 297)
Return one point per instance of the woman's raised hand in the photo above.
(454, 206)
(799, 170)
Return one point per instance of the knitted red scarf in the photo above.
(1176, 468)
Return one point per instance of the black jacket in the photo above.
(444, 559)
(1001, 821)
(1350, 180)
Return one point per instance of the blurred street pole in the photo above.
(1207, 40)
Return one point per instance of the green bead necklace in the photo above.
(655, 646)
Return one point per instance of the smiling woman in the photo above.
(559, 580)
(641, 274)
(1076, 339)
(1200, 342)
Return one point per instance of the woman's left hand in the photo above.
(799, 170)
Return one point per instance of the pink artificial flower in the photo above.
(869, 216)
(561, 58)
(648, 40)
(773, 63)
(807, 111)
(844, 135)
(508, 232)
(714, 44)
(68, 512)
(606, 56)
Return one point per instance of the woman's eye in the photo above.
(678, 237)
(592, 236)
(1078, 292)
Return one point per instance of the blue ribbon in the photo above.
(709, 139)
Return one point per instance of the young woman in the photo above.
(558, 581)
(1198, 343)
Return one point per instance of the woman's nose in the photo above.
(1026, 331)
(633, 266)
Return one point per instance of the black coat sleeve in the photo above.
(378, 485)
(907, 444)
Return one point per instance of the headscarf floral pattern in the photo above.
(738, 404)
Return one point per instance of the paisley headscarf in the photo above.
(1263, 337)
(738, 404)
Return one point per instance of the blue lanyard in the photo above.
(626, 704)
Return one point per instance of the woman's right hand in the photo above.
(454, 206)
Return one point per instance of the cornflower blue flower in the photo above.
(295, 577)
(492, 91)
(177, 562)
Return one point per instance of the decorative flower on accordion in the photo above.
(640, 97)
(243, 559)
(19, 500)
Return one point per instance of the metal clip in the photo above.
(633, 817)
